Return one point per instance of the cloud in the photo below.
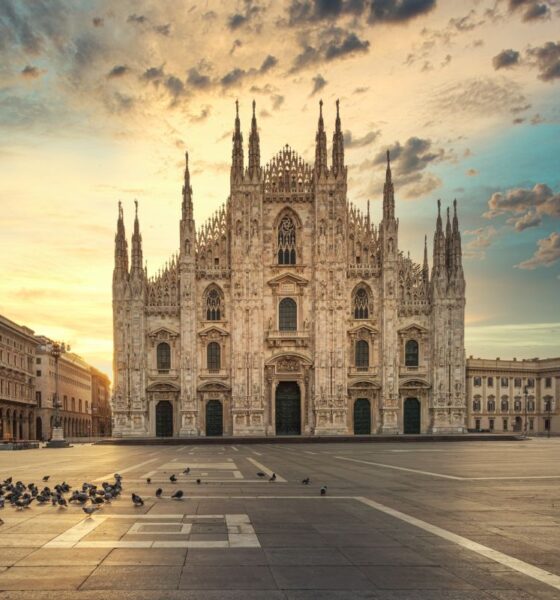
(174, 86)
(332, 44)
(163, 29)
(98, 21)
(360, 142)
(415, 155)
(506, 59)
(531, 9)
(277, 101)
(137, 19)
(482, 239)
(268, 63)
(472, 172)
(197, 80)
(236, 76)
(524, 207)
(143, 21)
(118, 71)
(205, 112)
(239, 19)
(236, 44)
(397, 11)
(547, 60)
(360, 90)
(31, 72)
(319, 82)
(154, 74)
(546, 254)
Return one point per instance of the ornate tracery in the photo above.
(286, 241)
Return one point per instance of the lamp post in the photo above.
(525, 393)
(56, 350)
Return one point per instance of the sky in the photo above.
(99, 101)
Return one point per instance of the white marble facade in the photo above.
(289, 312)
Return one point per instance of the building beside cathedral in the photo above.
(289, 312)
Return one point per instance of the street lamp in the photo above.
(56, 350)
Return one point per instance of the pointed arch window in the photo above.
(214, 305)
(411, 353)
(163, 356)
(213, 356)
(286, 241)
(362, 355)
(361, 304)
(287, 315)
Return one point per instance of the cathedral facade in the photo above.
(289, 313)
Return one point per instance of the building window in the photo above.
(361, 304)
(476, 404)
(505, 424)
(548, 382)
(517, 405)
(548, 403)
(163, 356)
(531, 424)
(286, 242)
(214, 309)
(477, 381)
(504, 405)
(491, 404)
(411, 353)
(504, 381)
(213, 356)
(287, 315)
(530, 382)
(531, 405)
(490, 382)
(38, 373)
(477, 424)
(38, 361)
(546, 424)
(517, 382)
(362, 355)
(491, 424)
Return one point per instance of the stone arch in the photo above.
(362, 301)
(213, 303)
(287, 247)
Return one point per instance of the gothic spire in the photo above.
(136, 260)
(187, 207)
(320, 145)
(456, 237)
(438, 266)
(448, 244)
(388, 193)
(425, 267)
(237, 151)
(254, 148)
(338, 145)
(121, 249)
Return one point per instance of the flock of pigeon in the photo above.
(90, 497)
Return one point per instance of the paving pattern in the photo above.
(418, 521)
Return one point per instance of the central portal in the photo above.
(164, 419)
(288, 408)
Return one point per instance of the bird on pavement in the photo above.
(187, 471)
(137, 501)
(62, 502)
(306, 481)
(148, 480)
(46, 477)
(178, 495)
(159, 492)
(324, 490)
(261, 474)
(272, 477)
(198, 481)
(173, 479)
(89, 510)
(1, 522)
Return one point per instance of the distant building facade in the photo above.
(17, 381)
(100, 404)
(513, 395)
(74, 389)
(289, 313)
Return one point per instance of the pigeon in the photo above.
(198, 481)
(1, 522)
(62, 502)
(148, 480)
(46, 478)
(324, 490)
(178, 495)
(306, 481)
(159, 492)
(99, 500)
(187, 471)
(173, 479)
(117, 477)
(137, 500)
(89, 510)
(272, 477)
(261, 474)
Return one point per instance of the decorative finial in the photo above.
(388, 158)
(337, 108)
(186, 158)
(237, 108)
(254, 105)
(439, 207)
(136, 207)
(321, 108)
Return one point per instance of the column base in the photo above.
(57, 440)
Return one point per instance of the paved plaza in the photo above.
(461, 521)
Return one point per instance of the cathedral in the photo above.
(289, 313)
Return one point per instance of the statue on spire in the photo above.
(237, 151)
(320, 146)
(338, 145)
(254, 148)
(388, 193)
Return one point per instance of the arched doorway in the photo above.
(214, 418)
(362, 417)
(288, 408)
(38, 428)
(411, 416)
(164, 419)
(518, 425)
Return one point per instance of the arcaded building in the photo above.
(289, 312)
